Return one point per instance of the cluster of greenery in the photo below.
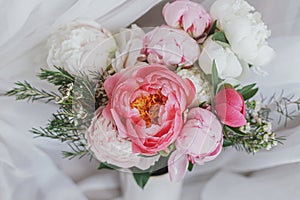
(77, 97)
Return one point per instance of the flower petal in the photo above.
(177, 166)
(230, 116)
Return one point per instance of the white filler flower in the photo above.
(81, 46)
(244, 29)
(200, 83)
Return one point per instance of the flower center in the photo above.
(149, 106)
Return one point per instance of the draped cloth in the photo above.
(33, 168)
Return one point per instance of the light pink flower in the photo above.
(230, 107)
(147, 105)
(200, 141)
(171, 47)
(188, 15)
(103, 140)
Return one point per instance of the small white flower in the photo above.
(81, 46)
(272, 136)
(274, 143)
(267, 128)
(245, 30)
(259, 120)
(266, 137)
(247, 127)
(269, 147)
(200, 83)
(228, 65)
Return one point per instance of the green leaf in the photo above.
(246, 88)
(141, 178)
(235, 130)
(236, 86)
(227, 143)
(105, 165)
(215, 77)
(190, 167)
(248, 91)
(220, 36)
(213, 28)
(250, 94)
(164, 153)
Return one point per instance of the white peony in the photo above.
(130, 44)
(228, 65)
(81, 46)
(200, 83)
(244, 29)
(103, 141)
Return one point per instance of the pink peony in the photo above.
(200, 141)
(147, 105)
(188, 15)
(171, 47)
(230, 107)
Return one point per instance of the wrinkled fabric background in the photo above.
(33, 169)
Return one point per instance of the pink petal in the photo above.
(231, 97)
(230, 116)
(110, 83)
(173, 12)
(188, 19)
(199, 27)
(177, 166)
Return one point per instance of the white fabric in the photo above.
(34, 169)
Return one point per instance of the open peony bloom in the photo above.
(200, 141)
(189, 16)
(230, 107)
(81, 46)
(245, 30)
(107, 146)
(147, 105)
(171, 47)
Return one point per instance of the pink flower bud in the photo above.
(230, 107)
(188, 15)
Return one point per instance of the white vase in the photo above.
(157, 188)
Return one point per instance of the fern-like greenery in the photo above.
(78, 97)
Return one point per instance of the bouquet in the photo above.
(164, 100)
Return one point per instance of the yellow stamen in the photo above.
(148, 107)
